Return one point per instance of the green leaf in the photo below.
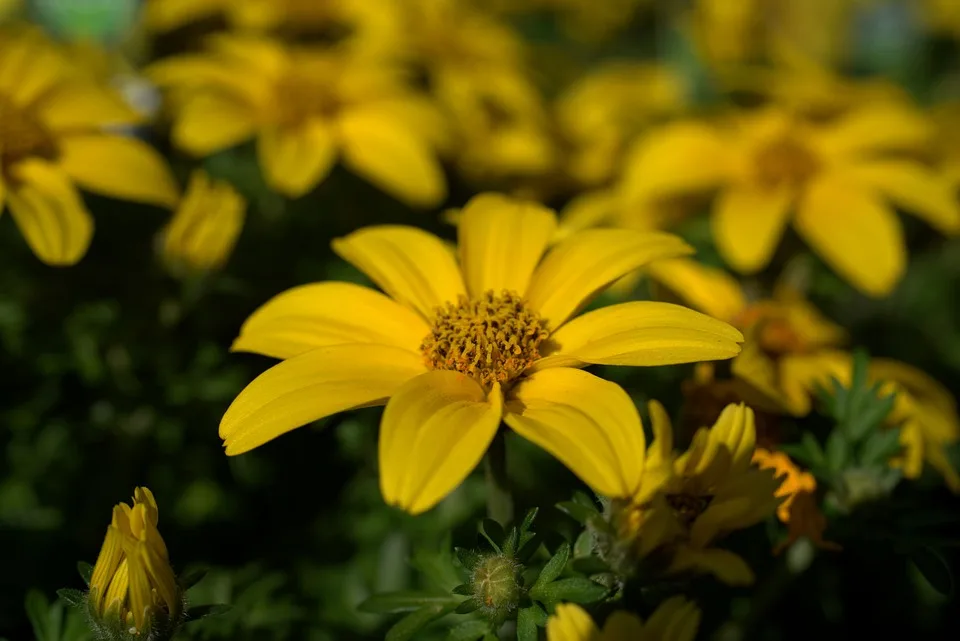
(468, 606)
(880, 447)
(529, 543)
(807, 451)
(45, 618)
(589, 565)
(73, 598)
(492, 532)
(935, 569)
(580, 513)
(583, 546)
(469, 631)
(468, 558)
(409, 625)
(463, 589)
(575, 589)
(552, 569)
(405, 601)
(510, 543)
(838, 451)
(198, 612)
(85, 570)
(528, 520)
(527, 624)
(190, 578)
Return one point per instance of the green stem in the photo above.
(499, 499)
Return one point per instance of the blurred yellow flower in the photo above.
(676, 619)
(306, 107)
(205, 226)
(459, 346)
(947, 152)
(132, 584)
(583, 20)
(54, 138)
(9, 8)
(838, 182)
(942, 16)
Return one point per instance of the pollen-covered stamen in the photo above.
(688, 507)
(493, 338)
(22, 135)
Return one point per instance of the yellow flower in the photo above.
(676, 619)
(603, 110)
(9, 8)
(582, 19)
(206, 225)
(838, 182)
(306, 107)
(54, 139)
(464, 344)
(942, 16)
(947, 152)
(132, 582)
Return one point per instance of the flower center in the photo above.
(301, 96)
(22, 135)
(688, 507)
(493, 338)
(785, 162)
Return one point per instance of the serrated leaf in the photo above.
(189, 579)
(468, 558)
(528, 520)
(409, 625)
(869, 416)
(589, 565)
(574, 589)
(73, 598)
(510, 543)
(526, 625)
(492, 532)
(405, 601)
(463, 589)
(468, 631)
(552, 569)
(880, 447)
(934, 569)
(85, 570)
(468, 606)
(198, 612)
(580, 513)
(837, 451)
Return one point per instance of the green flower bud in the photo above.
(496, 586)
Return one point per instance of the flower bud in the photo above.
(496, 585)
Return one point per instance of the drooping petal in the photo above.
(296, 159)
(120, 167)
(391, 157)
(723, 564)
(501, 241)
(748, 222)
(583, 265)
(641, 333)
(83, 106)
(210, 122)
(854, 232)
(313, 385)
(707, 289)
(914, 188)
(570, 622)
(589, 424)
(434, 432)
(411, 265)
(328, 313)
(878, 126)
(50, 213)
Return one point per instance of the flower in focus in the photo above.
(799, 509)
(459, 345)
(837, 181)
(205, 226)
(676, 619)
(54, 138)
(133, 588)
(306, 107)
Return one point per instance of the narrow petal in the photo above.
(391, 157)
(83, 106)
(211, 122)
(716, 518)
(676, 619)
(107, 563)
(501, 241)
(138, 591)
(748, 222)
(707, 289)
(50, 213)
(736, 429)
(206, 225)
(411, 265)
(723, 564)
(854, 232)
(311, 386)
(914, 188)
(435, 430)
(589, 424)
(120, 167)
(583, 265)
(570, 622)
(329, 313)
(878, 126)
(295, 160)
(641, 333)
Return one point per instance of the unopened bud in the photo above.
(496, 585)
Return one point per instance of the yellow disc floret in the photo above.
(493, 338)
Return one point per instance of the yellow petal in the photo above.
(854, 232)
(139, 591)
(297, 159)
(391, 157)
(624, 626)
(329, 313)
(717, 518)
(435, 430)
(164, 15)
(413, 266)
(570, 622)
(106, 566)
(210, 122)
(748, 222)
(661, 450)
(676, 619)
(723, 564)
(641, 333)
(313, 385)
(30, 66)
(589, 424)
(119, 167)
(160, 576)
(583, 265)
(914, 188)
(876, 127)
(736, 429)
(84, 106)
(501, 241)
(707, 289)
(50, 213)
(206, 225)
(119, 584)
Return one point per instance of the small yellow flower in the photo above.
(132, 582)
(676, 619)
(306, 107)
(206, 225)
(54, 138)
(838, 182)
(459, 345)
